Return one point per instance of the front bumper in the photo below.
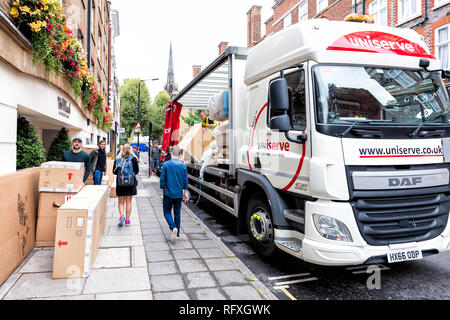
(318, 250)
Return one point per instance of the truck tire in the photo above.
(260, 226)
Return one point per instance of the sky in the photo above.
(195, 28)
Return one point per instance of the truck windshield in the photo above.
(346, 94)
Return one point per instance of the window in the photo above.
(99, 44)
(297, 105)
(442, 45)
(401, 78)
(408, 9)
(321, 4)
(287, 21)
(378, 10)
(303, 11)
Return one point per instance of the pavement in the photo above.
(140, 263)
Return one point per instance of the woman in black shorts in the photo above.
(125, 193)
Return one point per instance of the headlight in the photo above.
(331, 228)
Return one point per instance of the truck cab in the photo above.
(339, 136)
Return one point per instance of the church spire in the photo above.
(171, 85)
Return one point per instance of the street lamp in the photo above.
(139, 111)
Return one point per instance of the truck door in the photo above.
(285, 163)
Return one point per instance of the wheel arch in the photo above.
(251, 183)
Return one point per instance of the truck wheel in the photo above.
(260, 226)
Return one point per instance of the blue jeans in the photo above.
(168, 203)
(155, 164)
(98, 176)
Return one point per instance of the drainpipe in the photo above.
(424, 18)
(89, 34)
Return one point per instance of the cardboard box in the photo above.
(79, 229)
(19, 199)
(59, 176)
(112, 192)
(196, 142)
(49, 203)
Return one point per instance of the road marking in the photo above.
(286, 292)
(289, 276)
(380, 266)
(296, 281)
(357, 267)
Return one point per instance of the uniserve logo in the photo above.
(379, 42)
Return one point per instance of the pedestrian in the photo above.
(98, 162)
(155, 155)
(76, 154)
(126, 168)
(174, 185)
(168, 155)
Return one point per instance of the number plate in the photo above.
(404, 255)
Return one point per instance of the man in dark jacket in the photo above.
(155, 155)
(98, 161)
(76, 154)
(174, 184)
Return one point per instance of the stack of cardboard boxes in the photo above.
(58, 182)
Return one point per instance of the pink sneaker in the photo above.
(127, 223)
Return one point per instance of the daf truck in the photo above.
(337, 138)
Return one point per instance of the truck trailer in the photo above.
(337, 143)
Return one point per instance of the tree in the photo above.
(129, 101)
(59, 145)
(30, 150)
(192, 119)
(158, 114)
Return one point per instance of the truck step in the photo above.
(291, 244)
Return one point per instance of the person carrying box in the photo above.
(76, 154)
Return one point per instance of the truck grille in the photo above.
(384, 221)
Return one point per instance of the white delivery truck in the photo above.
(337, 143)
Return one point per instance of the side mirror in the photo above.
(281, 123)
(279, 95)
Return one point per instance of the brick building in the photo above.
(50, 102)
(430, 18)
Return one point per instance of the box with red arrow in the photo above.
(58, 176)
(79, 229)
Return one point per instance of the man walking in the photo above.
(155, 155)
(174, 184)
(98, 161)
(78, 155)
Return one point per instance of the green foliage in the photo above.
(157, 115)
(192, 119)
(129, 102)
(59, 145)
(30, 150)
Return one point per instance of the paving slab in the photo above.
(138, 257)
(162, 267)
(191, 265)
(117, 280)
(173, 282)
(119, 296)
(40, 261)
(154, 256)
(112, 258)
(200, 280)
(229, 278)
(41, 285)
(174, 295)
(242, 293)
(208, 294)
(218, 264)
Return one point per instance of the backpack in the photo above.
(125, 176)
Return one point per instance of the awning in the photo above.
(215, 82)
